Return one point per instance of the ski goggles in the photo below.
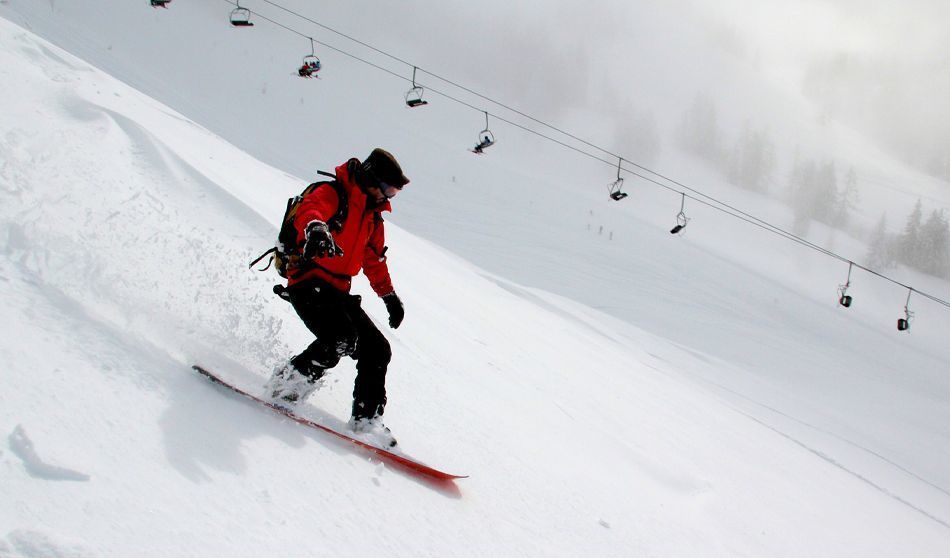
(388, 190)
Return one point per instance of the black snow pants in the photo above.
(342, 328)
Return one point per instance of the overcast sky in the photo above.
(904, 48)
(569, 52)
(790, 31)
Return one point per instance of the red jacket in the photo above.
(362, 237)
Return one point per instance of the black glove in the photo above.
(395, 309)
(319, 242)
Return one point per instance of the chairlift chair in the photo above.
(617, 194)
(844, 299)
(241, 17)
(903, 324)
(485, 138)
(414, 95)
(681, 218)
(160, 3)
(681, 221)
(311, 65)
(615, 188)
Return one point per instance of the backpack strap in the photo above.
(287, 249)
(339, 218)
(261, 257)
(288, 233)
(336, 222)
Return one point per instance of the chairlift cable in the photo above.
(697, 196)
(332, 30)
(732, 210)
(323, 44)
(441, 78)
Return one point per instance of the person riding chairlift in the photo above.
(485, 142)
(309, 69)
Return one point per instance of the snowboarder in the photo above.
(318, 287)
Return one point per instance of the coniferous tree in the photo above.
(847, 198)
(825, 193)
(934, 245)
(815, 193)
(795, 174)
(640, 136)
(698, 132)
(802, 184)
(753, 160)
(880, 247)
(908, 244)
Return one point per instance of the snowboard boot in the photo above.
(373, 431)
(288, 386)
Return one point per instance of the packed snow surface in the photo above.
(723, 410)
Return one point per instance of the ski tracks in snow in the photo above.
(830, 459)
(35, 544)
(22, 447)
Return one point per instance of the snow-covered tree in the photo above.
(847, 198)
(939, 165)
(698, 132)
(908, 251)
(881, 246)
(814, 192)
(640, 137)
(825, 193)
(934, 245)
(753, 160)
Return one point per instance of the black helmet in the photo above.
(384, 167)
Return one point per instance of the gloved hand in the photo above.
(395, 309)
(319, 242)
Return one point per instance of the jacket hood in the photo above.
(346, 175)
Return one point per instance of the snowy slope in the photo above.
(125, 232)
(121, 262)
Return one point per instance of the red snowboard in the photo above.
(388, 456)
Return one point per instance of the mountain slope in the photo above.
(126, 230)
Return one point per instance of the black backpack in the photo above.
(287, 253)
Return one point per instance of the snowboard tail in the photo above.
(387, 456)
